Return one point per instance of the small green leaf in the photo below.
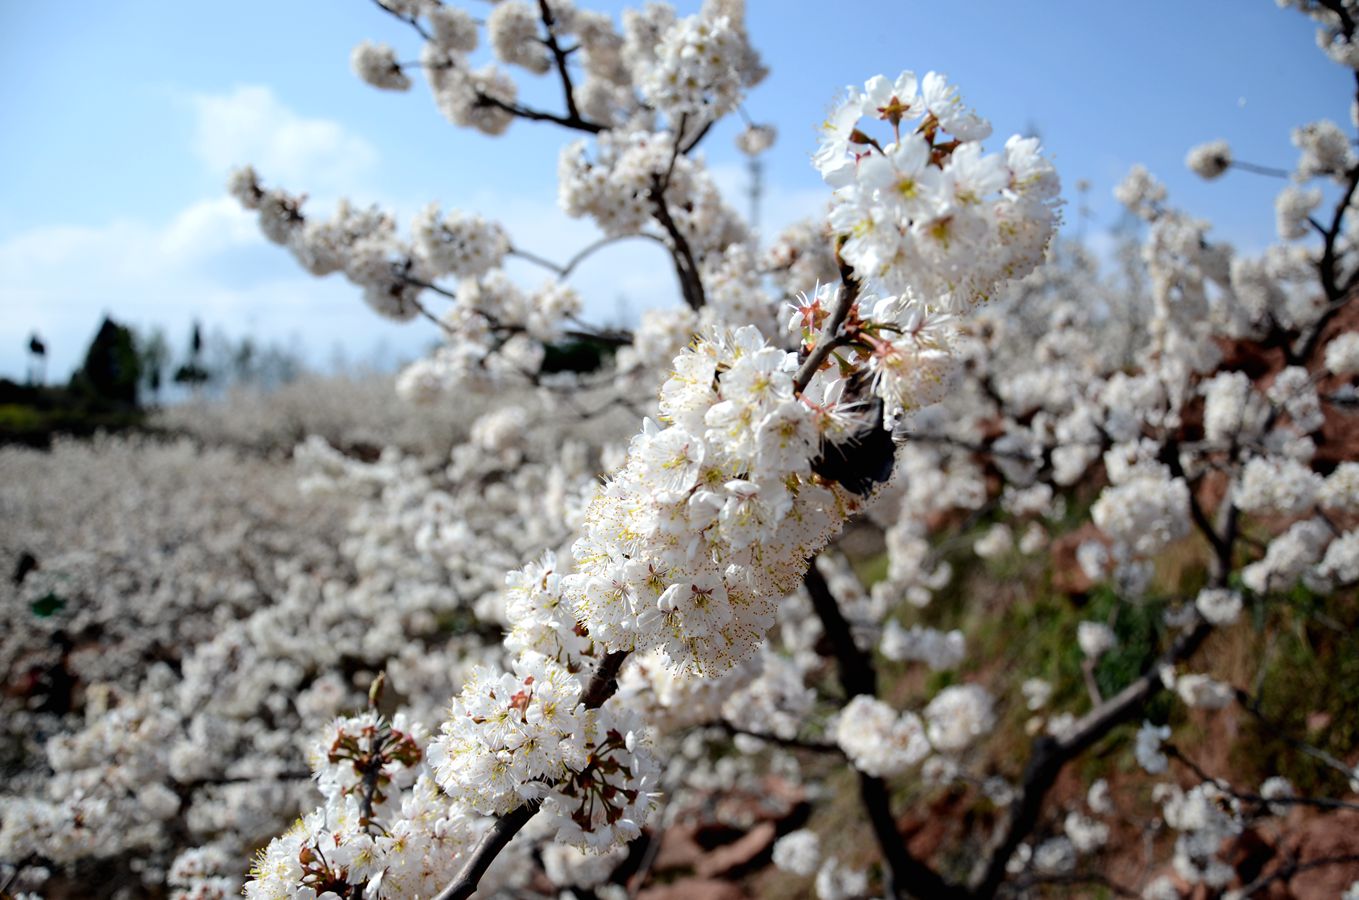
(47, 604)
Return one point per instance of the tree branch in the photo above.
(686, 267)
(560, 57)
(1173, 752)
(564, 270)
(906, 874)
(790, 743)
(487, 849)
(575, 123)
(1252, 705)
(1256, 169)
(412, 21)
(1330, 281)
(1170, 455)
(1051, 754)
(571, 120)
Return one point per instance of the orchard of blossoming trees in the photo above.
(912, 554)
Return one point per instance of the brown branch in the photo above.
(185, 789)
(412, 21)
(616, 338)
(559, 56)
(1257, 169)
(1330, 281)
(1051, 754)
(686, 267)
(1170, 455)
(575, 123)
(1091, 685)
(604, 682)
(372, 766)
(977, 448)
(790, 743)
(487, 849)
(537, 260)
(697, 138)
(1314, 802)
(1260, 800)
(856, 672)
(571, 120)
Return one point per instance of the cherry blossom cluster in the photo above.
(330, 852)
(525, 735)
(630, 174)
(928, 215)
(713, 517)
(702, 65)
(694, 68)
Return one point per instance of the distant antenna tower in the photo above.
(756, 166)
(1083, 211)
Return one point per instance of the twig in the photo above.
(487, 849)
(674, 153)
(373, 764)
(1271, 171)
(697, 138)
(1252, 705)
(857, 675)
(1091, 685)
(537, 260)
(830, 335)
(790, 743)
(562, 271)
(583, 254)
(981, 449)
(653, 850)
(538, 115)
(1222, 551)
(1176, 753)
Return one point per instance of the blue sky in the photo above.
(122, 119)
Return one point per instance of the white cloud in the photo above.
(209, 262)
(207, 227)
(250, 125)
